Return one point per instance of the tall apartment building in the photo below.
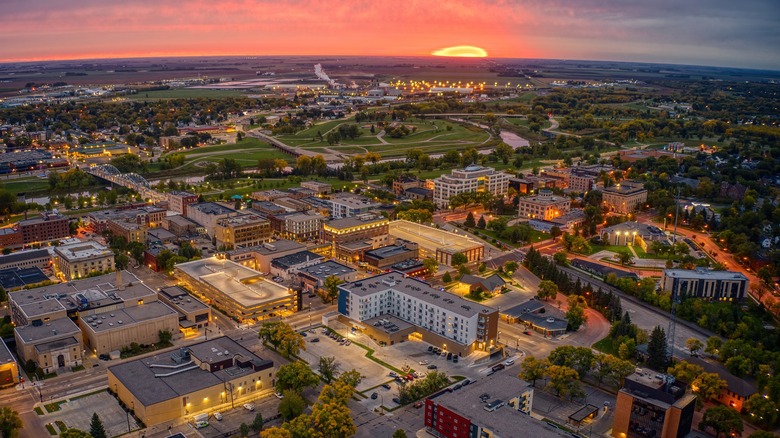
(301, 226)
(207, 214)
(178, 201)
(624, 197)
(651, 406)
(471, 179)
(703, 283)
(581, 183)
(77, 260)
(441, 318)
(351, 237)
(543, 205)
(242, 231)
(131, 230)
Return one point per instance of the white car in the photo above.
(249, 406)
(218, 416)
(279, 395)
(201, 424)
(423, 362)
(509, 362)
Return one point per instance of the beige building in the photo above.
(127, 228)
(194, 314)
(238, 291)
(471, 179)
(51, 345)
(351, 237)
(436, 243)
(320, 187)
(543, 205)
(705, 284)
(38, 258)
(214, 375)
(302, 226)
(206, 214)
(259, 257)
(78, 260)
(178, 201)
(179, 225)
(624, 197)
(110, 331)
(242, 231)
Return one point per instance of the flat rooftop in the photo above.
(22, 256)
(704, 274)
(181, 300)
(245, 286)
(432, 239)
(5, 354)
(82, 251)
(355, 201)
(323, 270)
(356, 221)
(128, 316)
(13, 278)
(504, 421)
(211, 208)
(388, 251)
(625, 188)
(418, 289)
(295, 259)
(90, 292)
(244, 219)
(150, 379)
(57, 327)
(271, 248)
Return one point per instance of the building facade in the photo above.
(625, 197)
(302, 226)
(471, 179)
(242, 231)
(649, 406)
(544, 205)
(349, 205)
(441, 318)
(79, 260)
(206, 214)
(178, 201)
(703, 283)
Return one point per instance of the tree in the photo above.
(243, 430)
(575, 316)
(656, 350)
(762, 434)
(510, 266)
(96, 428)
(723, 420)
(300, 426)
(351, 378)
(694, 345)
(332, 420)
(399, 433)
(578, 358)
(469, 222)
(713, 345)
(481, 223)
(121, 261)
(447, 278)
(627, 349)
(547, 289)
(533, 369)
(276, 432)
(685, 371)
(624, 257)
(328, 368)
(560, 258)
(459, 259)
(291, 406)
(284, 339)
(295, 376)
(257, 423)
(564, 381)
(10, 422)
(431, 265)
(762, 410)
(74, 433)
(164, 337)
(555, 232)
(331, 286)
(708, 385)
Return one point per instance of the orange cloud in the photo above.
(461, 51)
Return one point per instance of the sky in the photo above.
(743, 33)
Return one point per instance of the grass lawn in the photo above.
(607, 346)
(185, 93)
(25, 185)
(536, 237)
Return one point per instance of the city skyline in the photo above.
(719, 33)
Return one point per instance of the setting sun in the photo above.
(461, 51)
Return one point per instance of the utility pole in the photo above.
(673, 310)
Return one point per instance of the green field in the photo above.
(185, 93)
(246, 152)
(25, 185)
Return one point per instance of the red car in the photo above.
(409, 377)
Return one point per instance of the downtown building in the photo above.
(242, 231)
(471, 179)
(392, 307)
(78, 260)
(624, 197)
(704, 283)
(653, 406)
(544, 206)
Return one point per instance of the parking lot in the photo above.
(77, 413)
(232, 418)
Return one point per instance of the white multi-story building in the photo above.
(471, 179)
(545, 205)
(350, 205)
(703, 283)
(78, 260)
(439, 317)
(302, 226)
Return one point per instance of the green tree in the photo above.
(328, 368)
(481, 223)
(658, 356)
(469, 222)
(547, 289)
(292, 405)
(121, 261)
(564, 381)
(351, 378)
(575, 315)
(96, 428)
(243, 430)
(685, 371)
(295, 376)
(555, 232)
(713, 345)
(399, 433)
(74, 433)
(447, 278)
(257, 423)
(708, 385)
(332, 420)
(627, 349)
(723, 420)
(533, 369)
(624, 257)
(276, 432)
(762, 410)
(694, 345)
(510, 266)
(10, 422)
(578, 358)
(431, 265)
(459, 259)
(332, 287)
(164, 337)
(284, 339)
(560, 258)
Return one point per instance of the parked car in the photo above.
(201, 424)
(430, 348)
(499, 367)
(423, 362)
(465, 382)
(249, 406)
(527, 333)
(386, 386)
(418, 405)
(509, 362)
(315, 340)
(454, 359)
(278, 395)
(374, 396)
(393, 374)
(218, 416)
(396, 400)
(304, 334)
(449, 356)
(432, 367)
